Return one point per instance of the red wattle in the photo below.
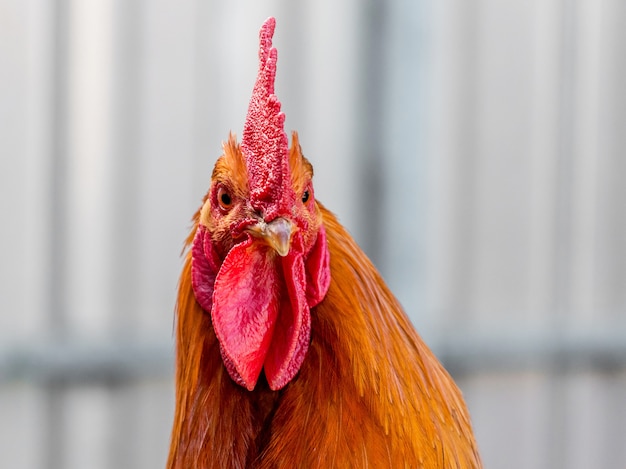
(293, 326)
(260, 304)
(245, 307)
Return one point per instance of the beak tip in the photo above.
(282, 251)
(277, 234)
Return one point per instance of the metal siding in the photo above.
(474, 149)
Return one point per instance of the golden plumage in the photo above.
(369, 392)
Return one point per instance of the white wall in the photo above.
(474, 149)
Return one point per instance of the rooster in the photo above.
(291, 352)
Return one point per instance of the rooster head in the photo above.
(259, 256)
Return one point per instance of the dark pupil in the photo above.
(305, 196)
(225, 199)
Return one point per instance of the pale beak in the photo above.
(276, 234)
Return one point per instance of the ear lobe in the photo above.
(318, 270)
(204, 268)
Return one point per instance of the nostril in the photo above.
(258, 215)
(257, 212)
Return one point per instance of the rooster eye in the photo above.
(224, 199)
(305, 197)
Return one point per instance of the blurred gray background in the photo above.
(475, 149)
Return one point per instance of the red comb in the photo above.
(264, 142)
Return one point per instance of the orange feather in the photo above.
(369, 393)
